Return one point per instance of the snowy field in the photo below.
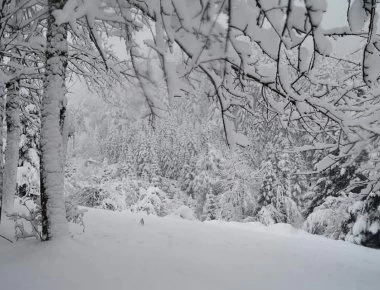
(116, 252)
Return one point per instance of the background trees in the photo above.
(20, 67)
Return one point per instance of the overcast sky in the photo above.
(336, 14)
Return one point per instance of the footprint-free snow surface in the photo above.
(117, 252)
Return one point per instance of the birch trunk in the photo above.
(54, 222)
(12, 112)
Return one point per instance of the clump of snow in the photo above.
(374, 228)
(358, 205)
(184, 212)
(324, 163)
(269, 215)
(28, 176)
(360, 225)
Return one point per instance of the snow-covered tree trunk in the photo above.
(2, 99)
(12, 148)
(53, 111)
(2, 109)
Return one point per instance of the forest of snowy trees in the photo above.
(229, 110)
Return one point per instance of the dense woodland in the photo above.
(216, 110)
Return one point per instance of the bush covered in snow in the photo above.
(151, 202)
(363, 224)
(27, 217)
(184, 212)
(328, 218)
(102, 186)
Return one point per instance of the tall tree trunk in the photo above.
(54, 222)
(12, 116)
(12, 148)
(2, 110)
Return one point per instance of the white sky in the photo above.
(336, 14)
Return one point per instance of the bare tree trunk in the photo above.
(12, 116)
(54, 222)
(12, 148)
(2, 110)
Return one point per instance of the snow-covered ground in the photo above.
(116, 252)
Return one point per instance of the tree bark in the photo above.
(2, 110)
(12, 149)
(11, 110)
(54, 224)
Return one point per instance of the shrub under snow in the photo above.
(184, 212)
(363, 226)
(328, 218)
(150, 202)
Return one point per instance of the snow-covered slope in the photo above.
(116, 252)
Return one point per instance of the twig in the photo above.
(5, 238)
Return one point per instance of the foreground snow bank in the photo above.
(116, 252)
